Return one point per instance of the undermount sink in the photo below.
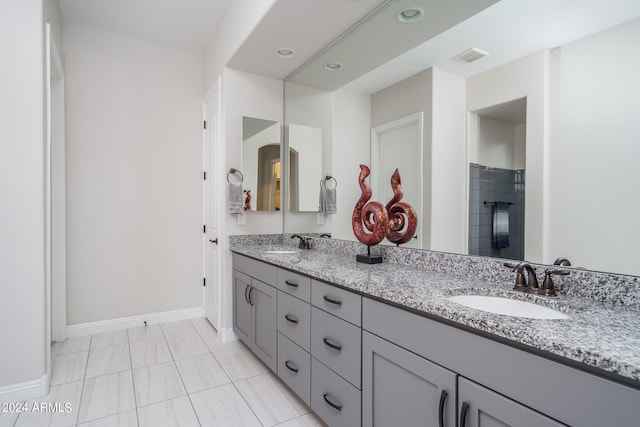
(280, 251)
(507, 307)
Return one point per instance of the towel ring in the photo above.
(493, 203)
(234, 171)
(323, 182)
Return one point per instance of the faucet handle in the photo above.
(521, 282)
(548, 289)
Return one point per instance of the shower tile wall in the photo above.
(495, 185)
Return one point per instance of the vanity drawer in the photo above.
(333, 399)
(336, 301)
(294, 368)
(337, 344)
(294, 319)
(294, 284)
(264, 272)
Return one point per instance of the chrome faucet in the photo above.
(305, 243)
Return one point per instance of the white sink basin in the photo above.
(508, 307)
(280, 252)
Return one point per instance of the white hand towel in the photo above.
(330, 201)
(235, 198)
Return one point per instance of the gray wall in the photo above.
(495, 185)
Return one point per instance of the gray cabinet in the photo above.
(254, 308)
(264, 336)
(401, 388)
(332, 397)
(242, 307)
(294, 367)
(294, 319)
(481, 407)
(337, 344)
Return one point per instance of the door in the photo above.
(213, 297)
(398, 144)
(403, 389)
(242, 306)
(264, 338)
(481, 407)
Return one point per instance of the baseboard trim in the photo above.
(22, 391)
(89, 328)
(227, 334)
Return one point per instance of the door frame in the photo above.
(55, 196)
(214, 94)
(378, 181)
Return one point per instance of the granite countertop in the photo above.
(596, 335)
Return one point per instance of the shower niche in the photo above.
(497, 143)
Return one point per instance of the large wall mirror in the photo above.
(527, 143)
(261, 164)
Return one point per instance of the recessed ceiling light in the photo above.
(470, 55)
(285, 52)
(410, 14)
(333, 66)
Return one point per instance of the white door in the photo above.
(398, 144)
(211, 198)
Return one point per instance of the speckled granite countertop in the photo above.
(596, 335)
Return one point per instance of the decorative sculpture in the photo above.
(400, 214)
(369, 220)
(247, 200)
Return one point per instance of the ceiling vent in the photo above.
(470, 55)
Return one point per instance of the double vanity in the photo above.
(398, 343)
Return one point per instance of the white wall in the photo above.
(239, 20)
(22, 285)
(527, 77)
(307, 142)
(134, 171)
(352, 146)
(449, 170)
(594, 172)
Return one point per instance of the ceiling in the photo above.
(185, 24)
(306, 26)
(509, 29)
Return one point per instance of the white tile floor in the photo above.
(172, 374)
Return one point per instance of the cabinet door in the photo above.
(480, 406)
(402, 389)
(241, 306)
(264, 336)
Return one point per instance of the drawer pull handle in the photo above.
(289, 367)
(332, 345)
(331, 300)
(330, 403)
(246, 298)
(443, 401)
(290, 319)
(292, 284)
(463, 414)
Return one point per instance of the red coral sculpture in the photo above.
(369, 220)
(400, 214)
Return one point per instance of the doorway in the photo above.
(497, 180)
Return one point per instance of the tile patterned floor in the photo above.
(172, 374)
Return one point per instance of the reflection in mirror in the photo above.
(261, 163)
(305, 167)
(567, 161)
